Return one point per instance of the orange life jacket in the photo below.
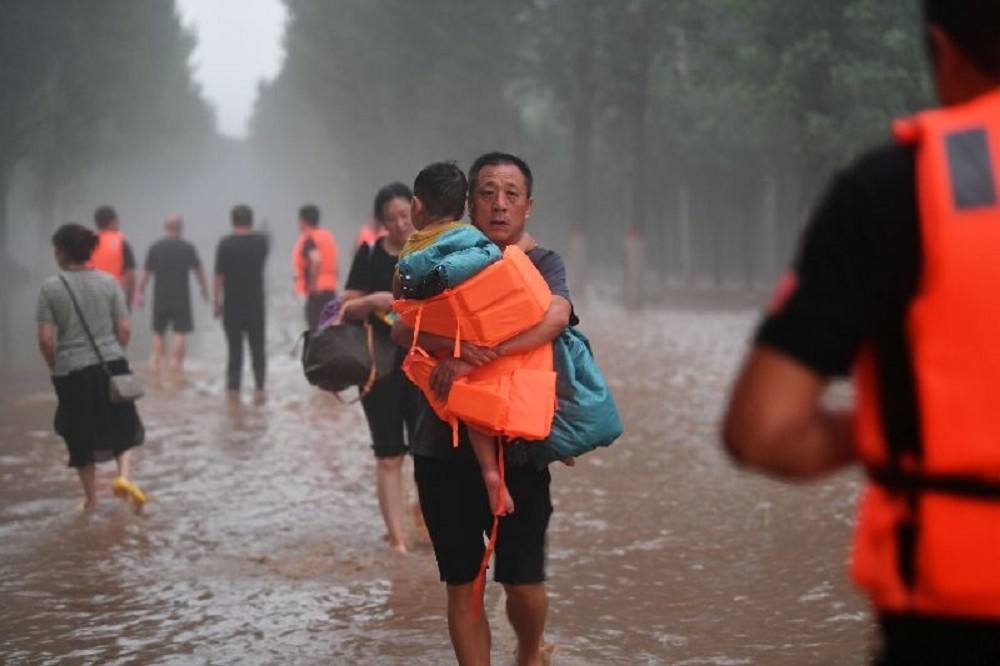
(369, 233)
(109, 255)
(928, 536)
(493, 305)
(327, 248)
(513, 396)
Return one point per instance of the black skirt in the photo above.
(94, 428)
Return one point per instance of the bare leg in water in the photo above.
(88, 475)
(485, 449)
(389, 488)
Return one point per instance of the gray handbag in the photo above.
(125, 387)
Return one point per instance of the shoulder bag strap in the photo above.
(83, 321)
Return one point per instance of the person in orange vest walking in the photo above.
(314, 260)
(897, 280)
(113, 253)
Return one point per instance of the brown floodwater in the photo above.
(263, 544)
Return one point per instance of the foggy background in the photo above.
(676, 146)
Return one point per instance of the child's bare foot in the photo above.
(501, 502)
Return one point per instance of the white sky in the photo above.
(239, 45)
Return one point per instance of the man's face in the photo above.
(499, 204)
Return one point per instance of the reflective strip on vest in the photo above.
(928, 538)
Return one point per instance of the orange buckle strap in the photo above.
(479, 584)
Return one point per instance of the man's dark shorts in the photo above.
(178, 318)
(457, 512)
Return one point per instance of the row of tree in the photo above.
(90, 90)
(674, 143)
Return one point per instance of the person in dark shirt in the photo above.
(171, 260)
(391, 405)
(453, 496)
(865, 296)
(238, 295)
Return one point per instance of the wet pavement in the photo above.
(263, 544)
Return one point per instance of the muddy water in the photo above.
(263, 544)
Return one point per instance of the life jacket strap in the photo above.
(910, 483)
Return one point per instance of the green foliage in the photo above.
(92, 84)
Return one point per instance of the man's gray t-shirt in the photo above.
(432, 436)
(102, 302)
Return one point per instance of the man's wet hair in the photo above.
(76, 240)
(242, 216)
(499, 159)
(310, 215)
(442, 188)
(104, 216)
(974, 25)
(386, 194)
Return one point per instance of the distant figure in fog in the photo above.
(94, 428)
(314, 260)
(897, 281)
(113, 254)
(171, 260)
(391, 405)
(238, 295)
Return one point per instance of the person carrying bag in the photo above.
(96, 414)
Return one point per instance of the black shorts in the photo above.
(390, 407)
(178, 318)
(457, 512)
(937, 641)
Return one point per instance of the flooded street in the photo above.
(263, 544)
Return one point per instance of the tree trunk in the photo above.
(769, 230)
(635, 119)
(583, 141)
(684, 232)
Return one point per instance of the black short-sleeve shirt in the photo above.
(858, 266)
(171, 260)
(432, 436)
(372, 269)
(239, 259)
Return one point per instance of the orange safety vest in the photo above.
(369, 233)
(327, 247)
(513, 396)
(109, 255)
(928, 535)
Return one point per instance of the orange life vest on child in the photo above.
(513, 396)
(928, 535)
(326, 245)
(109, 255)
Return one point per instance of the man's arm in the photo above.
(128, 284)
(775, 423)
(313, 270)
(199, 275)
(554, 322)
(140, 291)
(217, 285)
